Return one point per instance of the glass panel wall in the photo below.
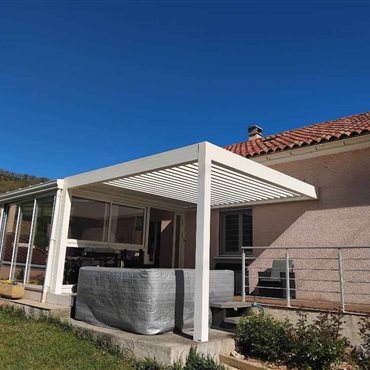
(89, 220)
(26, 240)
(126, 225)
(8, 240)
(41, 241)
(107, 223)
(21, 249)
(103, 234)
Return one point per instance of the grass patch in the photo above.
(50, 344)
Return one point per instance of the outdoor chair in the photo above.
(272, 282)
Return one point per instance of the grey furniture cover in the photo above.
(144, 301)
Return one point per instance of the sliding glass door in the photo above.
(40, 243)
(21, 245)
(9, 240)
(25, 241)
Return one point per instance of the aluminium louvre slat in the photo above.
(153, 185)
(226, 194)
(162, 183)
(169, 174)
(183, 168)
(167, 178)
(253, 189)
(226, 204)
(228, 200)
(178, 171)
(146, 189)
(175, 195)
(233, 203)
(154, 178)
(159, 192)
(241, 190)
(230, 196)
(245, 188)
(140, 185)
(217, 187)
(249, 183)
(254, 181)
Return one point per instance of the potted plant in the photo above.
(10, 289)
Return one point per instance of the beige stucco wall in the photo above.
(343, 180)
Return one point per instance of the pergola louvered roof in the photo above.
(174, 174)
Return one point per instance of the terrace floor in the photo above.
(315, 305)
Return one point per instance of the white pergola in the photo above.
(201, 175)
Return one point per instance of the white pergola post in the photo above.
(201, 300)
(61, 241)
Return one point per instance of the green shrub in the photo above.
(150, 364)
(363, 358)
(314, 346)
(319, 344)
(265, 338)
(195, 361)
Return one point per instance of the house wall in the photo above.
(342, 181)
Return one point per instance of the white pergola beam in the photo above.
(142, 165)
(258, 171)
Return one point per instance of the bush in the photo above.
(362, 355)
(265, 338)
(314, 346)
(194, 361)
(320, 344)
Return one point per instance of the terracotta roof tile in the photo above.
(341, 128)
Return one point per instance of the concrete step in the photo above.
(232, 320)
(233, 304)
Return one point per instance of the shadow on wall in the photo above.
(349, 226)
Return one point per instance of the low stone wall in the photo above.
(350, 327)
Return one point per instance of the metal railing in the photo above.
(312, 277)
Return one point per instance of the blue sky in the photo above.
(86, 84)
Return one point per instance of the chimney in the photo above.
(254, 132)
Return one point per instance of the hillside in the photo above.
(12, 181)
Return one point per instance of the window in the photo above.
(236, 231)
(89, 220)
(127, 225)
(98, 221)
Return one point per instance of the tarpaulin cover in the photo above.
(144, 301)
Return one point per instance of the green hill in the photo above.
(12, 181)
